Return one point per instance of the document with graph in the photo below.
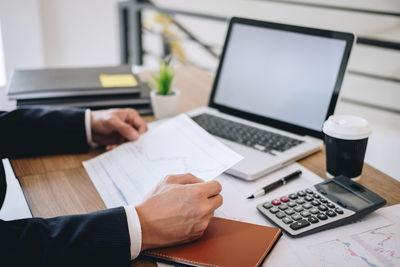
(125, 175)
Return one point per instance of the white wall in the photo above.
(2, 65)
(79, 33)
(361, 23)
(39, 33)
(22, 34)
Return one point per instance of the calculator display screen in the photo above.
(345, 195)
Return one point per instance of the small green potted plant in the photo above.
(164, 99)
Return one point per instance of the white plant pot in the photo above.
(164, 105)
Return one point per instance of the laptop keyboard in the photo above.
(256, 138)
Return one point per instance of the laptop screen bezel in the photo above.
(348, 37)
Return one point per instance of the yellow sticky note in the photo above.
(117, 80)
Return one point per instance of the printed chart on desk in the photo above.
(376, 247)
(126, 174)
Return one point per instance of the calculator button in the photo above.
(323, 200)
(285, 199)
(301, 193)
(299, 224)
(308, 198)
(331, 213)
(307, 206)
(305, 213)
(323, 192)
(287, 220)
(314, 210)
(283, 207)
(312, 219)
(290, 212)
(322, 216)
(316, 196)
(296, 217)
(268, 205)
(280, 215)
(292, 204)
(341, 204)
(330, 205)
(293, 196)
(339, 211)
(273, 210)
(322, 208)
(276, 202)
(315, 203)
(298, 208)
(300, 201)
(309, 191)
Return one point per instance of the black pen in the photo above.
(276, 184)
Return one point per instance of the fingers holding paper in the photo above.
(179, 210)
(171, 180)
(112, 127)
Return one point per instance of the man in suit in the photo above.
(178, 210)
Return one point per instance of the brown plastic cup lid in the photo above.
(347, 127)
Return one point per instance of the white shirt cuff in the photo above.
(88, 129)
(135, 231)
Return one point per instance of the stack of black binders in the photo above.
(95, 88)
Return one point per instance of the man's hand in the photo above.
(113, 127)
(178, 211)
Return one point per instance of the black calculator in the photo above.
(332, 203)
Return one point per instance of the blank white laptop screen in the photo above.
(281, 75)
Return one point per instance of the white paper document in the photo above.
(373, 239)
(373, 242)
(236, 206)
(125, 175)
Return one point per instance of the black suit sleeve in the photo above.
(94, 239)
(39, 131)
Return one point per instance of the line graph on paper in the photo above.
(373, 248)
(126, 174)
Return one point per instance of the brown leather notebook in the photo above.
(224, 243)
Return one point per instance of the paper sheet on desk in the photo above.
(316, 249)
(236, 206)
(126, 174)
(370, 242)
(288, 251)
(373, 242)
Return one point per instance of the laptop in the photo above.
(274, 87)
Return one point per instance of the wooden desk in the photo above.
(59, 185)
